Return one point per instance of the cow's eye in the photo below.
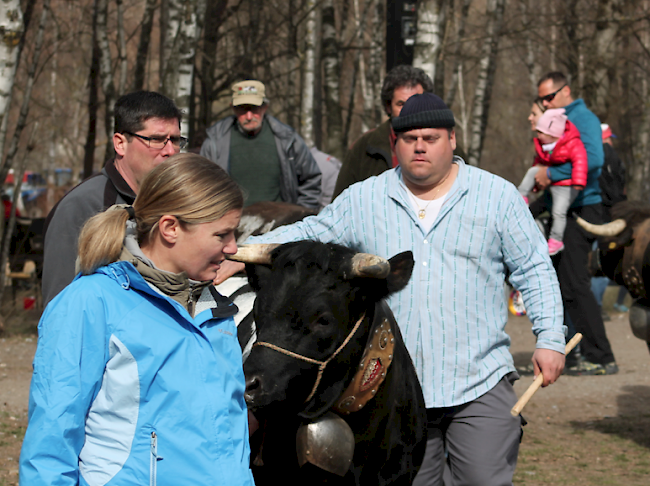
(321, 323)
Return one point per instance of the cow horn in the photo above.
(609, 229)
(367, 265)
(257, 253)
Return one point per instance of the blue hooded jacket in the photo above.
(128, 388)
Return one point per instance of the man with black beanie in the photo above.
(466, 229)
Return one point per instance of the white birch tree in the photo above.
(183, 30)
(11, 27)
(428, 38)
(308, 72)
(331, 83)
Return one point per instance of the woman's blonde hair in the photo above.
(187, 186)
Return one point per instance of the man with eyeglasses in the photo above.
(596, 357)
(147, 131)
(267, 158)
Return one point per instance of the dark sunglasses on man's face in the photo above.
(551, 96)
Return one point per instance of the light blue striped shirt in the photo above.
(453, 311)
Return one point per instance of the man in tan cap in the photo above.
(267, 158)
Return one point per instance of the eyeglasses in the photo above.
(551, 96)
(158, 143)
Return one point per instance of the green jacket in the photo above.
(369, 156)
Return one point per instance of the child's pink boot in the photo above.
(554, 246)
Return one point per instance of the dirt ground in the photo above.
(583, 431)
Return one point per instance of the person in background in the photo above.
(267, 158)
(138, 373)
(147, 131)
(373, 153)
(558, 142)
(597, 357)
(612, 187)
(329, 167)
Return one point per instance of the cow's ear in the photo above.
(401, 268)
(258, 275)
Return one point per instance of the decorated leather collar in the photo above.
(374, 365)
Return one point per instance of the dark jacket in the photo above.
(301, 177)
(66, 219)
(369, 156)
(569, 148)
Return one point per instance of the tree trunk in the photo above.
(605, 50)
(456, 67)
(10, 225)
(366, 93)
(532, 46)
(572, 24)
(143, 45)
(318, 83)
(121, 48)
(188, 37)
(331, 75)
(51, 163)
(377, 71)
(360, 24)
(428, 39)
(308, 72)
(169, 46)
(483, 92)
(163, 27)
(106, 74)
(215, 11)
(638, 182)
(93, 101)
(12, 28)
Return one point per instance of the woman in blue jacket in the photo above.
(138, 373)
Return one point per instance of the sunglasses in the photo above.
(551, 96)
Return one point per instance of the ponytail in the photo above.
(101, 238)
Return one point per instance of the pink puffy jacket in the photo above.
(569, 148)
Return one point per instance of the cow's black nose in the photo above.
(253, 388)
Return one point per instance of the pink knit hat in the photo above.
(552, 122)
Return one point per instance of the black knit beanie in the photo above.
(424, 110)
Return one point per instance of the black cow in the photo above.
(310, 298)
(624, 256)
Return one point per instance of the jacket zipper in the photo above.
(153, 462)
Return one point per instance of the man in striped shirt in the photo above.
(467, 228)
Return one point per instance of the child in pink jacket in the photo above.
(558, 142)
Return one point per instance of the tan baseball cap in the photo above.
(248, 93)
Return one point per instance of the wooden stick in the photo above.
(516, 410)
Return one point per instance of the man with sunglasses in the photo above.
(147, 131)
(571, 264)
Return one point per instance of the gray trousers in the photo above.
(481, 440)
(563, 197)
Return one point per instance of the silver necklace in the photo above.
(422, 212)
